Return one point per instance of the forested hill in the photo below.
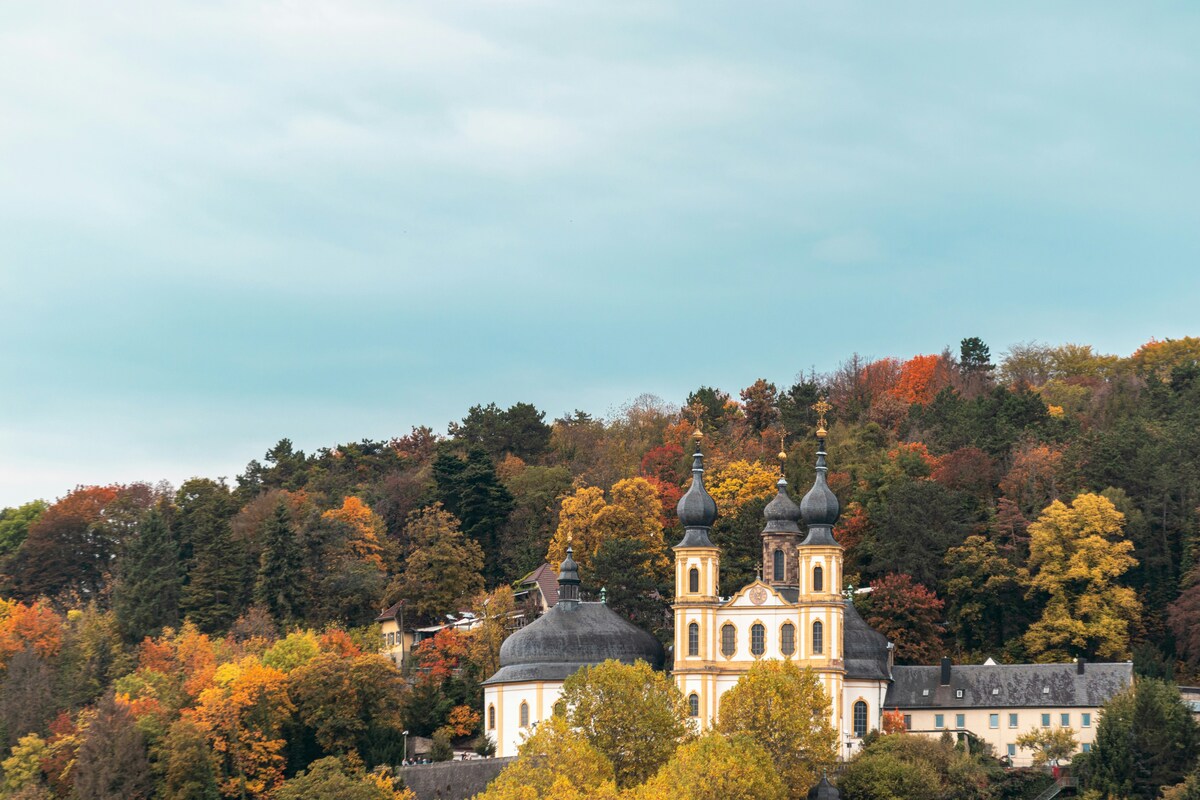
(1043, 507)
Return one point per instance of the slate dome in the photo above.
(782, 513)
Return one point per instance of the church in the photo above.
(794, 611)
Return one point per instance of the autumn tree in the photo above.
(332, 778)
(921, 378)
(493, 612)
(112, 763)
(1076, 556)
(366, 529)
(632, 715)
(26, 704)
(588, 519)
(554, 761)
(189, 773)
(1049, 745)
(784, 709)
(985, 594)
(716, 767)
(759, 405)
(442, 571)
(242, 714)
(147, 595)
(536, 491)
(734, 484)
(35, 626)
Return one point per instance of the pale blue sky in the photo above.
(222, 223)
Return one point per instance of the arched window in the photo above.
(779, 573)
(728, 640)
(693, 639)
(560, 708)
(818, 639)
(860, 719)
(758, 639)
(787, 639)
(694, 580)
(818, 579)
(491, 718)
(524, 714)
(693, 705)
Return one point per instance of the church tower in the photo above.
(697, 595)
(780, 537)
(819, 559)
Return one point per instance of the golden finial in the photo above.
(822, 407)
(782, 450)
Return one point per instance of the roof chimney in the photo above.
(945, 672)
(1079, 665)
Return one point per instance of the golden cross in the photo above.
(696, 411)
(822, 407)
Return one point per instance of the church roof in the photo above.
(1008, 685)
(569, 636)
(864, 649)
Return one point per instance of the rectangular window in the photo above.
(1012, 750)
(993, 720)
(960, 720)
(939, 721)
(908, 722)
(728, 640)
(1086, 719)
(1087, 747)
(1012, 720)
(1066, 720)
(1045, 720)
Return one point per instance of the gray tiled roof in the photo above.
(865, 649)
(1008, 685)
(568, 636)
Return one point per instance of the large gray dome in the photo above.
(569, 636)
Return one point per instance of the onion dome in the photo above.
(571, 635)
(820, 507)
(696, 509)
(824, 791)
(782, 513)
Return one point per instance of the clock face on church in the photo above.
(758, 595)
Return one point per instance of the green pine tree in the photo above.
(146, 598)
(279, 586)
(211, 596)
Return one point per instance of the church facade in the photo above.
(794, 612)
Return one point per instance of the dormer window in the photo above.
(1045, 690)
(995, 692)
(924, 693)
(958, 693)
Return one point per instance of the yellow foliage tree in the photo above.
(784, 709)
(588, 520)
(738, 482)
(716, 767)
(367, 529)
(242, 715)
(1076, 555)
(554, 762)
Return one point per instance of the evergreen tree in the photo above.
(146, 598)
(1146, 740)
(211, 597)
(280, 584)
(112, 763)
(471, 491)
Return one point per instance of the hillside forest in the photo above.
(217, 639)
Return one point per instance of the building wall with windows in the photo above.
(999, 702)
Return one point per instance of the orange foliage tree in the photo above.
(36, 626)
(242, 715)
(921, 378)
(366, 527)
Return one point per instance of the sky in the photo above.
(224, 223)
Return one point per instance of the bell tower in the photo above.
(780, 536)
(697, 595)
(819, 558)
